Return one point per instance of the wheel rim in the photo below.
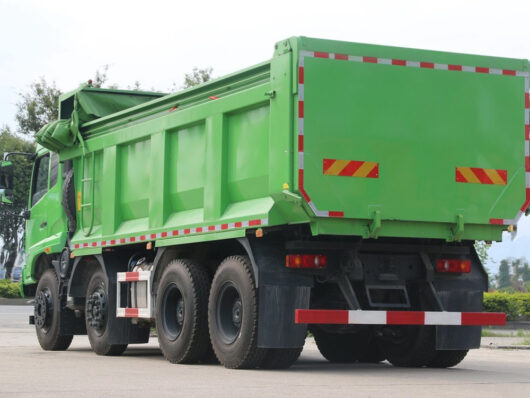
(173, 309)
(43, 310)
(96, 312)
(229, 313)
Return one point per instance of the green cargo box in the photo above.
(353, 139)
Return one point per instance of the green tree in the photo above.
(37, 106)
(504, 278)
(11, 222)
(197, 76)
(482, 249)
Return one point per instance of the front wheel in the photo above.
(233, 315)
(47, 313)
(97, 317)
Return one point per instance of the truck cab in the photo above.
(46, 225)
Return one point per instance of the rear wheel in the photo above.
(409, 346)
(349, 347)
(280, 358)
(47, 313)
(233, 315)
(182, 313)
(97, 317)
(448, 359)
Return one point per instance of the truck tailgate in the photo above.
(412, 140)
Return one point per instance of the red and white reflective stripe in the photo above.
(133, 313)
(412, 64)
(515, 220)
(345, 317)
(173, 233)
(134, 276)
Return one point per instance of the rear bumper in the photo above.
(434, 318)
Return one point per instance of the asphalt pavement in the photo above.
(26, 370)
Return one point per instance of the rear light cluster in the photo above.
(453, 265)
(306, 261)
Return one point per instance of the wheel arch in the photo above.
(209, 254)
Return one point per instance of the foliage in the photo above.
(197, 76)
(503, 280)
(9, 289)
(514, 275)
(482, 251)
(516, 306)
(11, 224)
(37, 107)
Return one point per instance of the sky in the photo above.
(156, 42)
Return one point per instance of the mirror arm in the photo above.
(30, 155)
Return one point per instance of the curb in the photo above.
(16, 301)
(506, 347)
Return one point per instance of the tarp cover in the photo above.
(87, 104)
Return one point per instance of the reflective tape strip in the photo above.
(133, 276)
(475, 175)
(172, 233)
(361, 317)
(132, 313)
(350, 168)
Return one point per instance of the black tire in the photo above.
(280, 358)
(97, 317)
(349, 347)
(448, 359)
(412, 346)
(233, 315)
(68, 200)
(47, 314)
(182, 312)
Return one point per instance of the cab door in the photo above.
(46, 214)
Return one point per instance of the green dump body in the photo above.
(352, 139)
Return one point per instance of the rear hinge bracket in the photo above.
(283, 47)
(375, 225)
(457, 231)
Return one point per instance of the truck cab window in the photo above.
(40, 179)
(54, 170)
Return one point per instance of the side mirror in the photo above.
(6, 196)
(6, 175)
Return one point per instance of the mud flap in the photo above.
(277, 305)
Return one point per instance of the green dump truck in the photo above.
(338, 187)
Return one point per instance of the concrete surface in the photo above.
(26, 370)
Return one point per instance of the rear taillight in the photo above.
(453, 265)
(306, 261)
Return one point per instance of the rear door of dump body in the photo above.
(414, 139)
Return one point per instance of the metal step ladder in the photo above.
(90, 205)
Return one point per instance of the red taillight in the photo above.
(453, 265)
(306, 261)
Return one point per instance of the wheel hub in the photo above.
(180, 312)
(236, 313)
(229, 313)
(43, 309)
(97, 310)
(173, 310)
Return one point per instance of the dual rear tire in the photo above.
(197, 319)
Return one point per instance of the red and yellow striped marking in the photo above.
(350, 168)
(475, 175)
